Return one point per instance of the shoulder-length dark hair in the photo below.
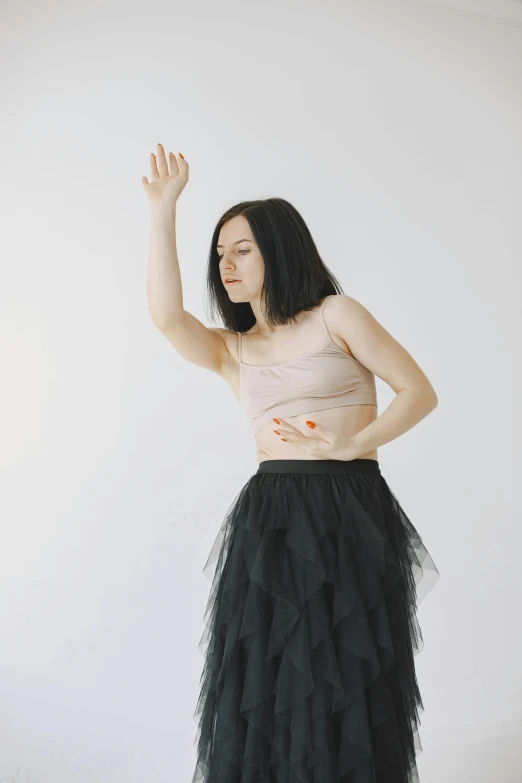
(296, 278)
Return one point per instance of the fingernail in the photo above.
(284, 440)
(277, 433)
(181, 156)
(310, 424)
(276, 421)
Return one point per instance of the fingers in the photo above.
(162, 162)
(159, 167)
(154, 167)
(290, 433)
(320, 431)
(284, 425)
(158, 164)
(319, 435)
(174, 168)
(183, 164)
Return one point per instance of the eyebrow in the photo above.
(236, 243)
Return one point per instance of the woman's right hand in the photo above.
(165, 187)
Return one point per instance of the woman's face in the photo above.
(239, 258)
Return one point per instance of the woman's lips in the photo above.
(232, 282)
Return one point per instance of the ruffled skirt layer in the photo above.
(311, 631)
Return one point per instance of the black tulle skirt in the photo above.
(311, 631)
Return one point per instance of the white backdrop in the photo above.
(395, 128)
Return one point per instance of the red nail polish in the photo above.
(311, 424)
(284, 440)
(276, 421)
(276, 432)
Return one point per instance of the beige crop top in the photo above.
(326, 378)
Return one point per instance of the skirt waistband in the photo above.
(319, 466)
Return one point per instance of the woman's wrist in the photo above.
(159, 208)
(351, 450)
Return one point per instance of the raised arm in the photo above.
(192, 340)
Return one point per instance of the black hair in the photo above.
(296, 278)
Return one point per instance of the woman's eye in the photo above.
(242, 250)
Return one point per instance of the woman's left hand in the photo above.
(321, 442)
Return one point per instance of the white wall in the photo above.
(395, 128)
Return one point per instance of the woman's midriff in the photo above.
(347, 420)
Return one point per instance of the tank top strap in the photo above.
(239, 346)
(322, 314)
(324, 302)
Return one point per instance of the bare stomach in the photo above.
(348, 420)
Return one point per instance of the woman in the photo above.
(311, 632)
